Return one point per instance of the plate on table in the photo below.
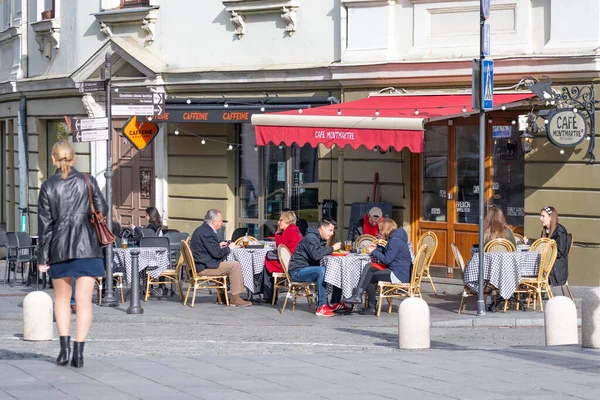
(339, 253)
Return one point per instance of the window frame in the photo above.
(134, 3)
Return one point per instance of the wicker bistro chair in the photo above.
(295, 289)
(200, 282)
(430, 239)
(118, 282)
(534, 286)
(499, 246)
(168, 276)
(281, 280)
(390, 291)
(363, 241)
(251, 240)
(519, 239)
(380, 242)
(539, 245)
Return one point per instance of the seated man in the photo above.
(305, 263)
(367, 225)
(209, 255)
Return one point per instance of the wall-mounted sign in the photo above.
(205, 116)
(140, 133)
(566, 128)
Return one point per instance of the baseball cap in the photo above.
(375, 212)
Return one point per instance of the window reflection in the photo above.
(435, 174)
(467, 174)
(249, 173)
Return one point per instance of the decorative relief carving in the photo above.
(144, 16)
(240, 8)
(47, 35)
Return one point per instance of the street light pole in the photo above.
(110, 298)
(481, 296)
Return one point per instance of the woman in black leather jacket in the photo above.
(68, 246)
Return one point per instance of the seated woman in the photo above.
(154, 222)
(116, 222)
(553, 230)
(396, 256)
(287, 234)
(495, 227)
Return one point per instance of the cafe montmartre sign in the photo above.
(566, 128)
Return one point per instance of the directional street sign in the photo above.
(486, 39)
(487, 89)
(90, 136)
(140, 133)
(92, 86)
(89, 124)
(127, 104)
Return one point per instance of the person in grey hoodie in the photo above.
(305, 263)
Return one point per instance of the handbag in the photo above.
(98, 220)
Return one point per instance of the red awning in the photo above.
(396, 121)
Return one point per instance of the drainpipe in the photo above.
(23, 176)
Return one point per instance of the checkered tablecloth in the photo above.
(502, 270)
(252, 262)
(155, 259)
(344, 271)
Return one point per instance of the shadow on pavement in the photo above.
(8, 355)
(391, 339)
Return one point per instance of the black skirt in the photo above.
(93, 267)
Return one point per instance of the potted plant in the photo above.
(48, 14)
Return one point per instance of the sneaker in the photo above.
(324, 311)
(339, 307)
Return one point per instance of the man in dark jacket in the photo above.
(305, 263)
(209, 255)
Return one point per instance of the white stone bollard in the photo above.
(560, 321)
(413, 324)
(37, 316)
(590, 319)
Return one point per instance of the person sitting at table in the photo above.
(367, 225)
(154, 223)
(116, 222)
(287, 234)
(553, 230)
(209, 255)
(396, 260)
(305, 265)
(495, 227)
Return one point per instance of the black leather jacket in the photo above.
(64, 212)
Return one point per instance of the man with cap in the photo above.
(367, 225)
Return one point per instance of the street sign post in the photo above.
(486, 8)
(92, 86)
(140, 133)
(141, 104)
(89, 129)
(487, 40)
(90, 136)
(487, 88)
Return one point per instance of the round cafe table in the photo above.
(344, 271)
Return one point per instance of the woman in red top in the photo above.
(287, 234)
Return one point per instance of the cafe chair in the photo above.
(499, 246)
(251, 240)
(280, 279)
(534, 286)
(147, 232)
(20, 252)
(201, 282)
(118, 284)
(540, 245)
(363, 241)
(238, 233)
(380, 242)
(430, 239)
(168, 276)
(155, 241)
(519, 239)
(570, 246)
(467, 292)
(390, 291)
(295, 289)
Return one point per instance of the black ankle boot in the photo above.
(77, 360)
(370, 310)
(65, 350)
(356, 298)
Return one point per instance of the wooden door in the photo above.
(133, 182)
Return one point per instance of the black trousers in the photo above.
(267, 290)
(369, 279)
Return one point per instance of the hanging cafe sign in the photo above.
(566, 128)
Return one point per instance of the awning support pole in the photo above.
(340, 191)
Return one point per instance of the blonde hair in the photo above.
(288, 217)
(63, 152)
(386, 227)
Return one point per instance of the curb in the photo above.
(493, 323)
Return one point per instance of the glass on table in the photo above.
(348, 245)
(124, 243)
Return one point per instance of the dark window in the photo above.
(134, 3)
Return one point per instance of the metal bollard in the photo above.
(134, 305)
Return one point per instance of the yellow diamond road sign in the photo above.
(140, 133)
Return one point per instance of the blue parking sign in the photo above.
(487, 87)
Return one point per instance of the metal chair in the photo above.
(155, 241)
(499, 246)
(238, 233)
(18, 254)
(147, 232)
(430, 239)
